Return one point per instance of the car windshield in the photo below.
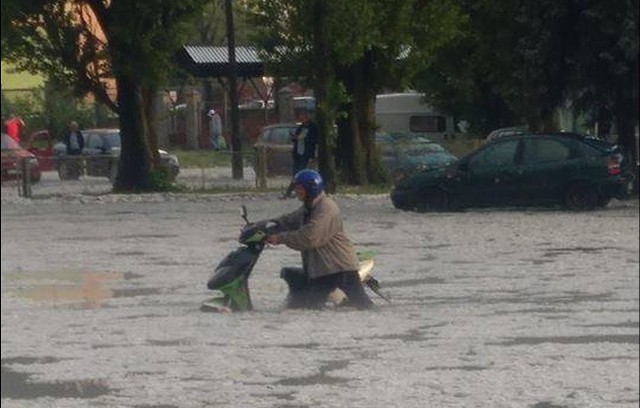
(111, 140)
(8, 143)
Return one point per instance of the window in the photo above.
(499, 154)
(427, 123)
(93, 141)
(111, 140)
(280, 135)
(546, 151)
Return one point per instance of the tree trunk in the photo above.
(236, 141)
(366, 99)
(365, 165)
(324, 117)
(136, 157)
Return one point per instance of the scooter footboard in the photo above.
(235, 265)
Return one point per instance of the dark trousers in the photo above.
(306, 293)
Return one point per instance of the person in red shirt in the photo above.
(13, 126)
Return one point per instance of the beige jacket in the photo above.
(321, 240)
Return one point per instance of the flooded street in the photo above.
(504, 308)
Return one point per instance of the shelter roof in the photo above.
(205, 61)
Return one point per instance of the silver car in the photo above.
(100, 157)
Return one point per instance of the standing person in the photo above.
(329, 260)
(73, 139)
(215, 129)
(305, 142)
(13, 125)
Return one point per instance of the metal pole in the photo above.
(236, 141)
(26, 177)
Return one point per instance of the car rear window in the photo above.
(546, 150)
(596, 147)
(280, 135)
(500, 154)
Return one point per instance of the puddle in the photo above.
(412, 335)
(451, 368)
(321, 378)
(612, 338)
(18, 386)
(88, 289)
(414, 282)
(554, 252)
(547, 404)
(302, 346)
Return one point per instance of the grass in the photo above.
(19, 80)
(206, 158)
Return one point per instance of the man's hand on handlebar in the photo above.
(273, 239)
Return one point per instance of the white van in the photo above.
(407, 112)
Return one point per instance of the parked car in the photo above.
(275, 142)
(404, 153)
(40, 143)
(100, 157)
(528, 169)
(12, 157)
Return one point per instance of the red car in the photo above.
(12, 156)
(40, 144)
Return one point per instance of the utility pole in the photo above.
(236, 141)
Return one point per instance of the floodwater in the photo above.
(496, 308)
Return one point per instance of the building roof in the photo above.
(205, 61)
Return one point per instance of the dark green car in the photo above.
(578, 172)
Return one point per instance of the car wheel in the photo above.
(66, 171)
(35, 178)
(113, 172)
(580, 197)
(400, 203)
(603, 201)
(433, 199)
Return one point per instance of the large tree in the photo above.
(90, 45)
(520, 60)
(349, 50)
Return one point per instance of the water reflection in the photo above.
(85, 289)
(18, 386)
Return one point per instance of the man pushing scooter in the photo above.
(329, 260)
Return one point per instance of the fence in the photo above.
(94, 175)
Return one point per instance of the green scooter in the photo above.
(231, 276)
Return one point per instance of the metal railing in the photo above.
(73, 175)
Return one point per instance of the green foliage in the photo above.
(518, 61)
(88, 45)
(159, 181)
(49, 108)
(349, 50)
(206, 158)
(210, 27)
